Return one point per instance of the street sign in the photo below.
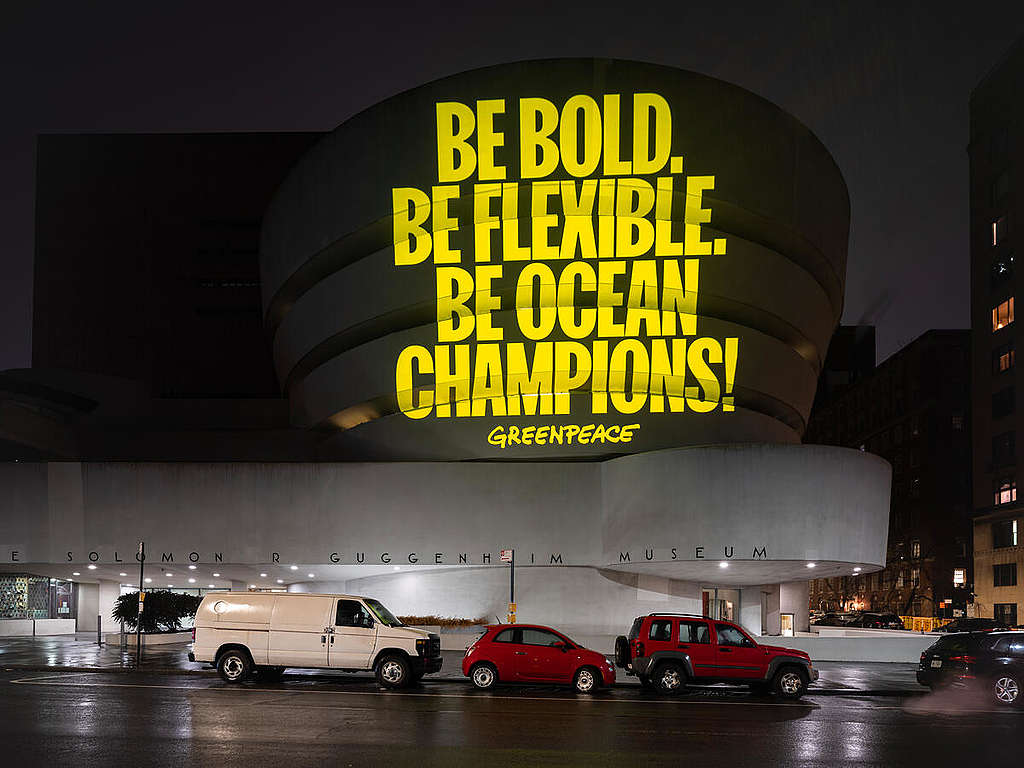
(506, 555)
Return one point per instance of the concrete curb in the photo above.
(813, 691)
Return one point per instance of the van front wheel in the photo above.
(393, 672)
(234, 666)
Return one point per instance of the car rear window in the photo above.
(634, 631)
(964, 642)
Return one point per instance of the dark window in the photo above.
(1005, 614)
(1002, 403)
(661, 630)
(694, 632)
(1004, 534)
(352, 613)
(1004, 449)
(1003, 358)
(1000, 188)
(1002, 269)
(1004, 575)
(506, 636)
(728, 635)
(540, 637)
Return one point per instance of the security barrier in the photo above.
(923, 623)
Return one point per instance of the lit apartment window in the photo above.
(915, 548)
(1003, 358)
(1002, 315)
(958, 423)
(1005, 492)
(999, 229)
(959, 577)
(1004, 534)
(1004, 575)
(915, 576)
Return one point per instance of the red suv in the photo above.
(528, 653)
(665, 650)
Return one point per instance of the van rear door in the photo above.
(298, 636)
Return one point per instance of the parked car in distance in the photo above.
(668, 650)
(972, 625)
(245, 632)
(871, 620)
(530, 653)
(833, 619)
(989, 661)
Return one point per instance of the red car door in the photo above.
(694, 638)
(503, 651)
(539, 659)
(737, 655)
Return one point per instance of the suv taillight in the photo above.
(964, 659)
(638, 649)
(193, 634)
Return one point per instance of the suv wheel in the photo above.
(789, 683)
(1006, 689)
(393, 672)
(586, 680)
(670, 677)
(234, 666)
(484, 676)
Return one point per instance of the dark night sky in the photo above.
(885, 88)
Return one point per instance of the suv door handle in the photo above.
(725, 650)
(520, 653)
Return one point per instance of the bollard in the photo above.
(99, 630)
(124, 639)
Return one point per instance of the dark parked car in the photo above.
(972, 625)
(990, 661)
(833, 620)
(876, 621)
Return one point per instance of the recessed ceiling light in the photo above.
(280, 581)
(723, 564)
(857, 569)
(122, 574)
(211, 586)
(76, 573)
(263, 575)
(252, 586)
(811, 565)
(91, 567)
(191, 567)
(191, 581)
(295, 567)
(311, 575)
(168, 574)
(216, 575)
(170, 585)
(149, 581)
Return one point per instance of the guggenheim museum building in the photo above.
(576, 309)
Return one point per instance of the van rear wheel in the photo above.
(234, 666)
(393, 672)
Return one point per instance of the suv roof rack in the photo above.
(688, 615)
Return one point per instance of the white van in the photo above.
(245, 632)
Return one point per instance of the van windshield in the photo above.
(384, 616)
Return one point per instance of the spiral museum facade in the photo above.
(574, 308)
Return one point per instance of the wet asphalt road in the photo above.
(110, 718)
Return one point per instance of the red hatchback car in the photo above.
(528, 653)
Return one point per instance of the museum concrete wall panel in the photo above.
(766, 508)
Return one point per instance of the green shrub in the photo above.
(163, 612)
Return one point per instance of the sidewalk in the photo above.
(81, 654)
